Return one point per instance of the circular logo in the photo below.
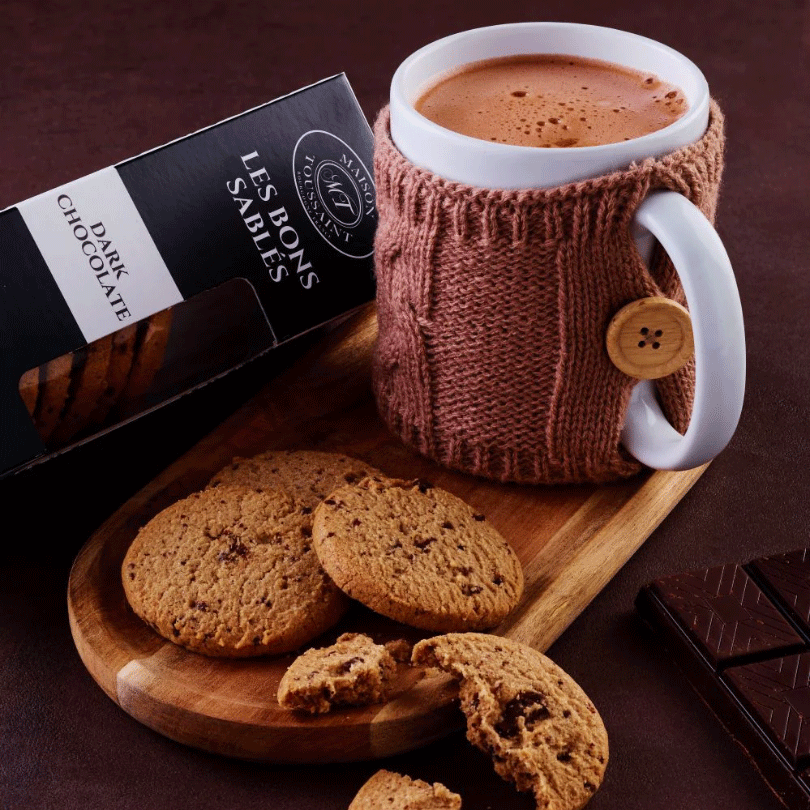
(339, 193)
(336, 191)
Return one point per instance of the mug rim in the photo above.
(405, 107)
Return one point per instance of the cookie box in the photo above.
(133, 285)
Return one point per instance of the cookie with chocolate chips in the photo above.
(231, 572)
(387, 790)
(531, 717)
(308, 475)
(354, 671)
(417, 554)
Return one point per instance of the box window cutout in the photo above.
(124, 374)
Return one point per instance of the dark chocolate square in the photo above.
(726, 614)
(788, 575)
(777, 693)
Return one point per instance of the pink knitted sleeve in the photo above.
(493, 307)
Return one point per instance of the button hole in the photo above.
(656, 345)
(644, 330)
(658, 332)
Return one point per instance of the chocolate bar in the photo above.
(741, 635)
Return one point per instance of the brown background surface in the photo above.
(84, 85)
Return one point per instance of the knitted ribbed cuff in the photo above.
(493, 307)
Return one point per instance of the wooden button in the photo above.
(650, 338)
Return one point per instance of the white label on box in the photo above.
(100, 253)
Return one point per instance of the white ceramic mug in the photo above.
(689, 239)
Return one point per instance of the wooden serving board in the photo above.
(571, 541)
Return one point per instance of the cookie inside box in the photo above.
(122, 375)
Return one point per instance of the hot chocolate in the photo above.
(551, 100)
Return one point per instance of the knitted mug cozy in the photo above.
(493, 307)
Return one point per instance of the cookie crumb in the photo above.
(400, 649)
(387, 790)
(354, 671)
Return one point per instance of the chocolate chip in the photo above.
(448, 525)
(423, 486)
(531, 706)
(329, 501)
(423, 542)
(356, 522)
(564, 756)
(470, 590)
(306, 510)
(347, 665)
(479, 518)
(235, 549)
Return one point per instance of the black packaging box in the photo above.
(125, 288)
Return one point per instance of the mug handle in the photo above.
(717, 324)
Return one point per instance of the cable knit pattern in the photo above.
(493, 307)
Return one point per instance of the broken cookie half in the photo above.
(531, 717)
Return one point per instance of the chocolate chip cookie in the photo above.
(531, 717)
(231, 572)
(417, 554)
(308, 475)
